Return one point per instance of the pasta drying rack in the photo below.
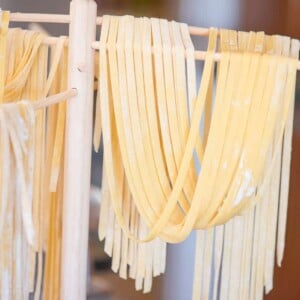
(82, 22)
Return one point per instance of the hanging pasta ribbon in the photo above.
(18, 234)
(144, 261)
(28, 73)
(249, 240)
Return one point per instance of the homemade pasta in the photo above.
(151, 121)
(29, 73)
(178, 156)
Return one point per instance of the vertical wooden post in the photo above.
(78, 150)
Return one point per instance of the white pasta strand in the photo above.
(246, 254)
(225, 274)
(236, 257)
(285, 173)
(17, 131)
(218, 250)
(104, 208)
(281, 47)
(125, 239)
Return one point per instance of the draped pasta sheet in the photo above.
(236, 260)
(150, 116)
(32, 70)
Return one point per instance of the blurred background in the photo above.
(271, 16)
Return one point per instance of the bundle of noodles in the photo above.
(150, 120)
(143, 83)
(33, 71)
(144, 260)
(238, 257)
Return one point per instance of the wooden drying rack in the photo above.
(81, 42)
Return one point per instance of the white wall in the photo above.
(210, 13)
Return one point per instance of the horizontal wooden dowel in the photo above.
(39, 18)
(199, 55)
(200, 31)
(99, 20)
(52, 40)
(193, 30)
(54, 99)
(58, 18)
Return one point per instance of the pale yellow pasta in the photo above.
(150, 121)
(175, 160)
